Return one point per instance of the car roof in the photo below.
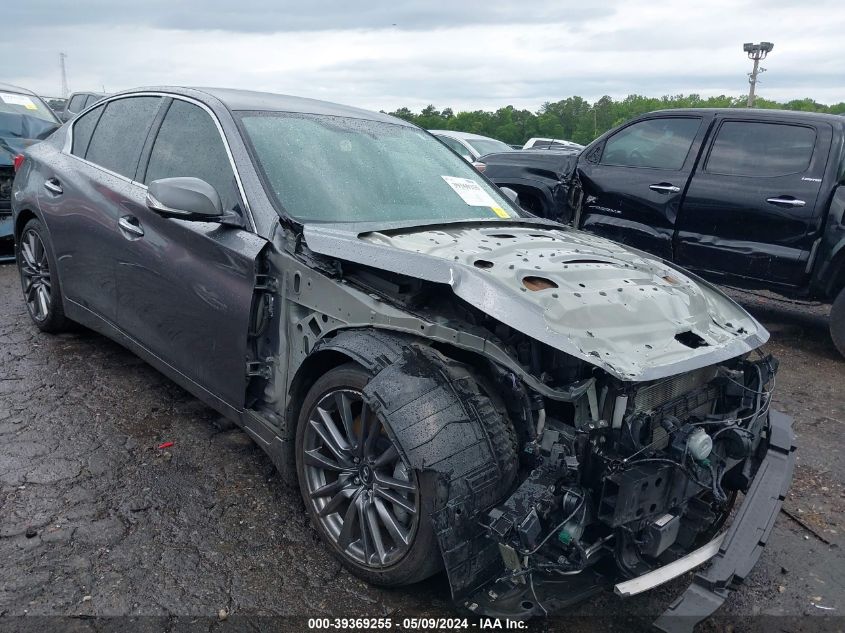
(462, 135)
(250, 100)
(756, 112)
(11, 88)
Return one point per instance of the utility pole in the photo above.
(756, 52)
(62, 58)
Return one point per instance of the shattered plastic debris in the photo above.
(165, 445)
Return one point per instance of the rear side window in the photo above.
(744, 148)
(77, 102)
(121, 132)
(83, 127)
(654, 143)
(189, 144)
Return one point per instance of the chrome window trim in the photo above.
(66, 150)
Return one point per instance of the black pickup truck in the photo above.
(747, 198)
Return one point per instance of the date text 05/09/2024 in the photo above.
(415, 624)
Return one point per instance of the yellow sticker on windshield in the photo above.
(30, 106)
(500, 212)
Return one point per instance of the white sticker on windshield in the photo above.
(471, 192)
(21, 100)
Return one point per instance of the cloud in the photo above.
(471, 56)
(272, 16)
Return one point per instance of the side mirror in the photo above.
(512, 195)
(185, 198)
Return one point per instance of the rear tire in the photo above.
(39, 279)
(837, 322)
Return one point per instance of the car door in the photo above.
(85, 193)
(634, 180)
(750, 210)
(185, 287)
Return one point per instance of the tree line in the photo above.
(576, 119)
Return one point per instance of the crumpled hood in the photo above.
(616, 308)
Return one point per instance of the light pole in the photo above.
(756, 52)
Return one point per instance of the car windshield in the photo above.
(338, 169)
(486, 146)
(30, 105)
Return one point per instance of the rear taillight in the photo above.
(18, 162)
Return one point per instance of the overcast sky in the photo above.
(470, 54)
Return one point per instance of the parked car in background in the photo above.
(78, 101)
(24, 119)
(470, 146)
(749, 198)
(453, 382)
(551, 143)
(57, 104)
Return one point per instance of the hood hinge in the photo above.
(266, 283)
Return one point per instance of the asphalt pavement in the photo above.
(101, 529)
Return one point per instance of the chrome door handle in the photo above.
(53, 186)
(664, 188)
(129, 224)
(787, 202)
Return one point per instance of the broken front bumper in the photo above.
(733, 554)
(744, 540)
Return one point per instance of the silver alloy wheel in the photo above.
(365, 497)
(35, 275)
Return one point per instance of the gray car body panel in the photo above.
(612, 307)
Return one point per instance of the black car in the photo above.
(24, 119)
(748, 198)
(78, 101)
(452, 382)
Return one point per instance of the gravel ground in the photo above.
(96, 520)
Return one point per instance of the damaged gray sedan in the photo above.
(451, 382)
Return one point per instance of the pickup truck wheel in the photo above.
(361, 493)
(39, 281)
(837, 322)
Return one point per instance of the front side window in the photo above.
(189, 145)
(654, 143)
(83, 128)
(745, 148)
(120, 134)
(338, 169)
(77, 102)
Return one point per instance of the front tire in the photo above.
(361, 495)
(39, 279)
(418, 394)
(837, 322)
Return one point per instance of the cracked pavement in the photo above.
(96, 520)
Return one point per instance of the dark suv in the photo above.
(24, 119)
(748, 198)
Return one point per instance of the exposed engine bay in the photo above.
(638, 397)
(640, 476)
